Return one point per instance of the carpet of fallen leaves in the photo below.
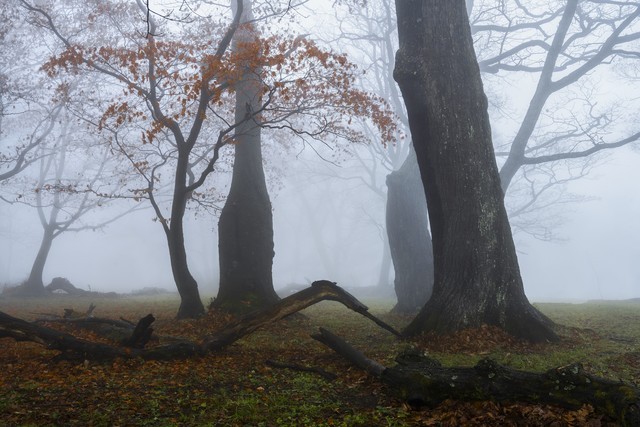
(236, 387)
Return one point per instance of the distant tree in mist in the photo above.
(28, 113)
(409, 237)
(73, 181)
(570, 116)
(370, 31)
(246, 246)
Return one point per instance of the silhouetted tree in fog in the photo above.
(409, 237)
(566, 49)
(245, 229)
(72, 183)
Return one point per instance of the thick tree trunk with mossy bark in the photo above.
(245, 228)
(476, 274)
(409, 237)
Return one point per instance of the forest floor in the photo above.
(236, 387)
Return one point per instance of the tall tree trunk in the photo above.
(245, 229)
(409, 238)
(34, 285)
(476, 274)
(190, 302)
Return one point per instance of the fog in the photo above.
(598, 256)
(328, 223)
(594, 256)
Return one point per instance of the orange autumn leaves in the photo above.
(168, 80)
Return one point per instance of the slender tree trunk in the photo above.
(190, 302)
(245, 229)
(476, 274)
(409, 237)
(35, 285)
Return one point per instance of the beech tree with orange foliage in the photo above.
(171, 108)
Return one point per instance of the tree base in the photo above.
(517, 318)
(245, 303)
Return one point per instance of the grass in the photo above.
(236, 388)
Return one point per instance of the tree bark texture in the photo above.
(245, 228)
(476, 274)
(409, 237)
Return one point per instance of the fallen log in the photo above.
(71, 346)
(320, 290)
(349, 352)
(112, 329)
(423, 381)
(68, 345)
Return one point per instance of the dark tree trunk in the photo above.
(245, 232)
(245, 229)
(476, 273)
(34, 285)
(409, 238)
(190, 302)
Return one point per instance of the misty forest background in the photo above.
(447, 162)
(574, 233)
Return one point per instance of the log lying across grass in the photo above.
(422, 381)
(72, 347)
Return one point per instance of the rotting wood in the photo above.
(423, 381)
(141, 333)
